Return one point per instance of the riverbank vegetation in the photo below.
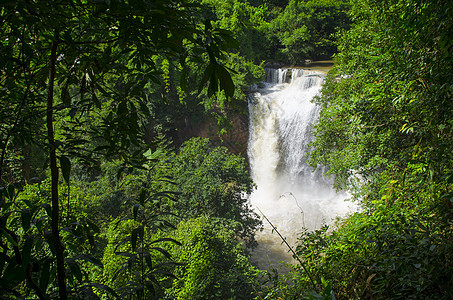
(102, 196)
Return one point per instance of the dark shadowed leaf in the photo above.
(45, 275)
(210, 69)
(14, 272)
(89, 258)
(226, 83)
(134, 235)
(75, 269)
(135, 210)
(26, 218)
(163, 251)
(26, 251)
(65, 168)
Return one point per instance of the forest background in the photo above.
(101, 196)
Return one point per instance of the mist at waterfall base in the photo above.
(288, 193)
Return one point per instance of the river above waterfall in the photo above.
(289, 192)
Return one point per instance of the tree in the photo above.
(305, 28)
(384, 106)
(212, 182)
(245, 22)
(384, 132)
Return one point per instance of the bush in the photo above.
(215, 265)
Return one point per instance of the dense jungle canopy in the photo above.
(103, 197)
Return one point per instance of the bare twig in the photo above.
(290, 249)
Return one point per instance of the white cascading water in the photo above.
(288, 192)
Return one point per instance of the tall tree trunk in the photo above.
(63, 294)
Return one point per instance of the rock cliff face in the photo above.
(235, 139)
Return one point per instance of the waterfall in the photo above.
(289, 193)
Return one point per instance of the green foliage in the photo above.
(391, 254)
(397, 250)
(86, 68)
(235, 69)
(109, 76)
(384, 132)
(29, 250)
(211, 182)
(386, 100)
(113, 263)
(245, 22)
(103, 78)
(305, 28)
(198, 180)
(134, 261)
(215, 266)
(136, 264)
(284, 31)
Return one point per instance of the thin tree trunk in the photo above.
(63, 294)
